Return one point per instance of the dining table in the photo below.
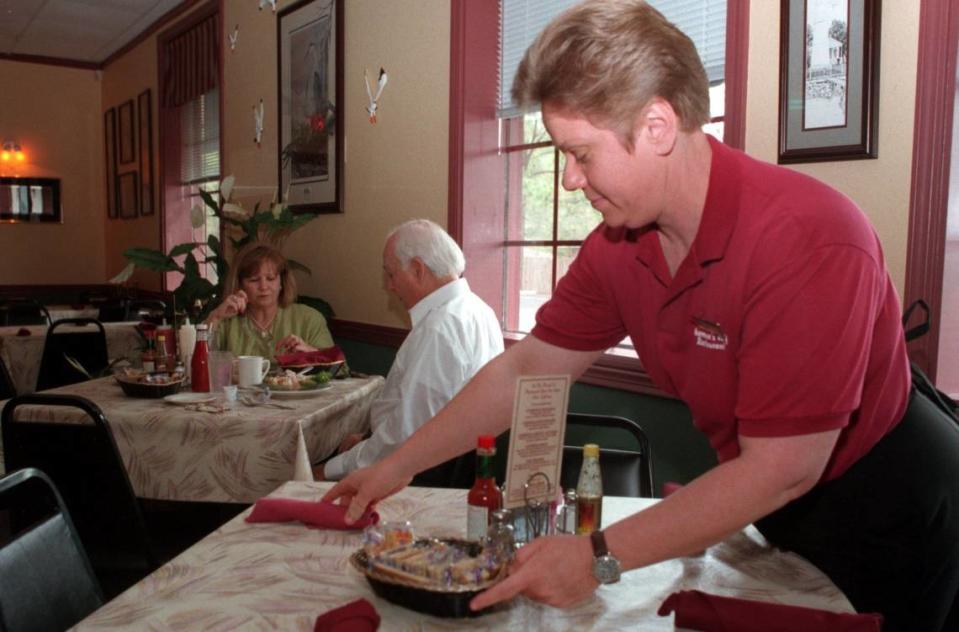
(266, 576)
(220, 451)
(21, 349)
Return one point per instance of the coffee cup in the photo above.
(251, 370)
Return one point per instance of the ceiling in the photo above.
(86, 31)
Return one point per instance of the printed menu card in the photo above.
(536, 439)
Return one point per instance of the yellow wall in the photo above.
(880, 186)
(54, 113)
(394, 170)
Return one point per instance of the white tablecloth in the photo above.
(281, 576)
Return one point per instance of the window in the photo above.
(519, 229)
(189, 60)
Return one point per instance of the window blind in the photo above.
(704, 21)
(200, 138)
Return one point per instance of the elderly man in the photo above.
(454, 334)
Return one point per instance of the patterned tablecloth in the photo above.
(22, 354)
(281, 576)
(174, 453)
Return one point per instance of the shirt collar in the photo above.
(440, 296)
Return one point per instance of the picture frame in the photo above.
(145, 138)
(126, 143)
(110, 151)
(127, 194)
(310, 98)
(829, 80)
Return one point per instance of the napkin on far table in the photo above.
(356, 616)
(696, 610)
(314, 514)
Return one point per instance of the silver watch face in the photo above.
(606, 569)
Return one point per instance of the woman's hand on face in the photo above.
(292, 344)
(555, 570)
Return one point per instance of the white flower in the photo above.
(226, 188)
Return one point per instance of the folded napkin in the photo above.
(701, 611)
(356, 616)
(329, 355)
(313, 514)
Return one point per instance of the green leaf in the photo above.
(183, 249)
(124, 275)
(296, 265)
(318, 304)
(210, 201)
(151, 260)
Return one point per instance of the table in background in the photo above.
(22, 354)
(174, 453)
(60, 312)
(281, 576)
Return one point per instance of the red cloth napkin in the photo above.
(329, 355)
(696, 610)
(313, 514)
(356, 616)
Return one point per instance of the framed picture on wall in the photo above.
(145, 137)
(828, 80)
(110, 151)
(127, 143)
(310, 73)
(127, 194)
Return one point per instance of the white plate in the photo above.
(183, 399)
(296, 394)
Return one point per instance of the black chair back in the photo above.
(46, 581)
(7, 387)
(23, 311)
(83, 461)
(89, 348)
(624, 472)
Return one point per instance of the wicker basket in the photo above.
(148, 390)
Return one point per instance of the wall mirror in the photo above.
(29, 200)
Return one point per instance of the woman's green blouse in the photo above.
(240, 336)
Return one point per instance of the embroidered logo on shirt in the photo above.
(709, 335)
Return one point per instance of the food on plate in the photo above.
(139, 376)
(290, 381)
(438, 564)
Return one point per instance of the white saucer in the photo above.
(183, 399)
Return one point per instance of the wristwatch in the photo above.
(606, 568)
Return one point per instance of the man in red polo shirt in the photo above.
(757, 295)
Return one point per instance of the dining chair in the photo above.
(111, 308)
(625, 471)
(83, 461)
(23, 311)
(46, 581)
(88, 348)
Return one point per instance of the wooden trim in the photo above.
(931, 151)
(457, 122)
(737, 62)
(611, 371)
(51, 61)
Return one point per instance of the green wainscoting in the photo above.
(680, 452)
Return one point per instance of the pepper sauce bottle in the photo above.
(484, 497)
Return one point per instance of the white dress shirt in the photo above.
(454, 334)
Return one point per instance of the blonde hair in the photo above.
(607, 59)
(247, 262)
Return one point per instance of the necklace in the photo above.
(264, 331)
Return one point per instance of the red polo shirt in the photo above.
(782, 320)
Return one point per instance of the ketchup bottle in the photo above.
(200, 362)
(484, 497)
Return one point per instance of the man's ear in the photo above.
(418, 268)
(658, 126)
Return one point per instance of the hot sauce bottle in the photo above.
(200, 362)
(484, 497)
(589, 492)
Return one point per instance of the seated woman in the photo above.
(259, 315)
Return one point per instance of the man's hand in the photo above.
(319, 473)
(555, 570)
(364, 488)
(348, 442)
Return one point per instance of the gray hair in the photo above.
(427, 241)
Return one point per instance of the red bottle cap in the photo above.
(486, 442)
